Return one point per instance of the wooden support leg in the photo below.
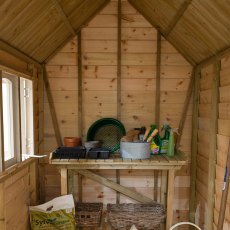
(2, 206)
(169, 220)
(118, 182)
(163, 186)
(155, 185)
(70, 182)
(64, 181)
(79, 187)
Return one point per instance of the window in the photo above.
(27, 135)
(18, 124)
(8, 129)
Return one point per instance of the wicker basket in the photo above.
(88, 214)
(143, 216)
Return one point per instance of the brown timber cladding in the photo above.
(99, 86)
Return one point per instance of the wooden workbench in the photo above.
(157, 162)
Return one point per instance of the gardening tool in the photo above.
(146, 133)
(152, 135)
(224, 193)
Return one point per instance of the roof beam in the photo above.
(19, 54)
(178, 16)
(85, 22)
(64, 17)
(214, 58)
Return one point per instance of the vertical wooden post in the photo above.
(2, 206)
(193, 166)
(33, 182)
(41, 111)
(170, 196)
(36, 105)
(213, 146)
(64, 181)
(119, 12)
(79, 61)
(185, 108)
(158, 81)
(2, 162)
(41, 167)
(52, 108)
(157, 102)
(119, 59)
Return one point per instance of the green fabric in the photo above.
(61, 219)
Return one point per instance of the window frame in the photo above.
(16, 98)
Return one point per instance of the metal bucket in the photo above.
(135, 150)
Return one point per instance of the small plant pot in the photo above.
(72, 141)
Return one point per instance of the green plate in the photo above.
(108, 131)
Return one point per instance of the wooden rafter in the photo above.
(64, 17)
(214, 58)
(176, 19)
(19, 54)
(87, 20)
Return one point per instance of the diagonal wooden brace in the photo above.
(110, 184)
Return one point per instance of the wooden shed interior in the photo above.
(139, 61)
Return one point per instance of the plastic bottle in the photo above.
(165, 139)
(142, 133)
(170, 151)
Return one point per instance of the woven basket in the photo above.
(143, 216)
(88, 214)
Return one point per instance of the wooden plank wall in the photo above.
(223, 140)
(203, 147)
(16, 195)
(138, 78)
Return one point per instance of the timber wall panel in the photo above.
(16, 185)
(203, 149)
(138, 90)
(222, 137)
(223, 140)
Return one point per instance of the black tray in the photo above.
(98, 153)
(69, 153)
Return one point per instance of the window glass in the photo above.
(8, 129)
(18, 125)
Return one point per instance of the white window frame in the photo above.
(27, 121)
(8, 119)
(21, 103)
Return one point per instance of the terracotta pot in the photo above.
(72, 141)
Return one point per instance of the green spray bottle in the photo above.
(170, 150)
(165, 139)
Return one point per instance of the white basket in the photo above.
(182, 223)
